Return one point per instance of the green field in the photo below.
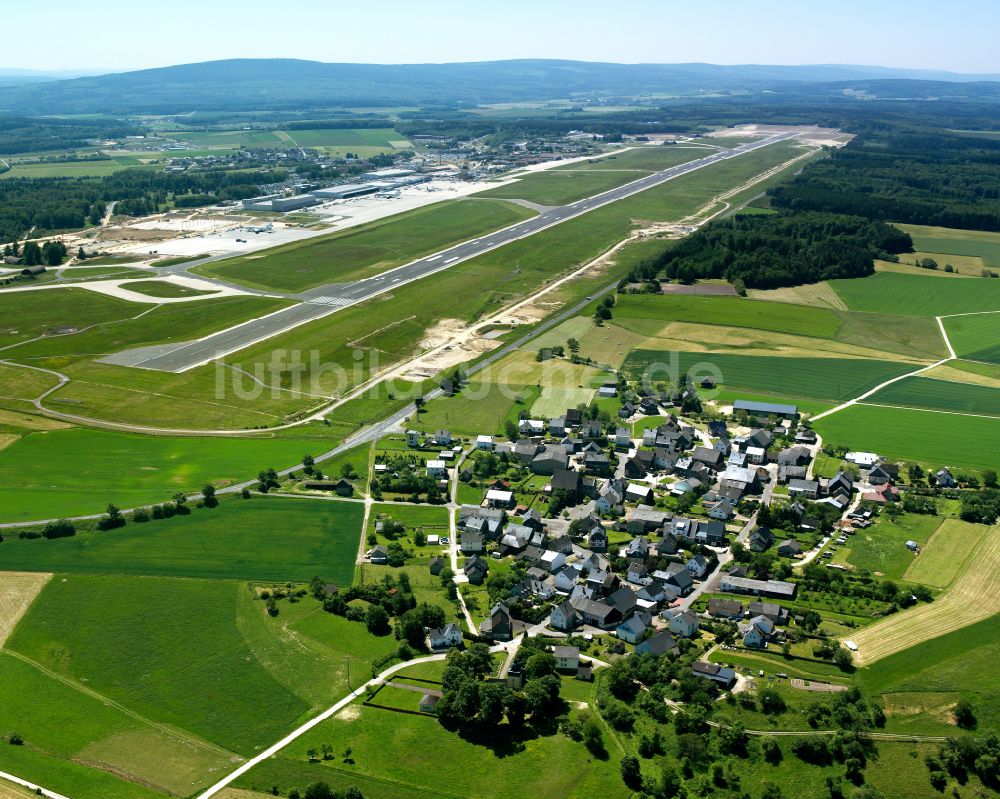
(368, 249)
(730, 311)
(976, 337)
(75, 725)
(935, 439)
(359, 140)
(169, 649)
(266, 538)
(916, 295)
(812, 378)
(940, 395)
(69, 472)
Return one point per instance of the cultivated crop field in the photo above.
(976, 337)
(266, 538)
(729, 311)
(935, 439)
(916, 295)
(971, 598)
(815, 378)
(940, 395)
(368, 249)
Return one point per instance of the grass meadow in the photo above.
(881, 548)
(934, 439)
(265, 538)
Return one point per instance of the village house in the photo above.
(445, 637)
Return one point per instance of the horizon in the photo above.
(773, 32)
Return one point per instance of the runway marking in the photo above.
(433, 257)
(336, 302)
(452, 260)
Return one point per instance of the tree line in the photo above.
(771, 250)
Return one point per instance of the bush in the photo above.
(61, 528)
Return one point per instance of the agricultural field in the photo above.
(369, 249)
(970, 599)
(478, 408)
(266, 538)
(812, 378)
(916, 295)
(940, 241)
(940, 395)
(976, 337)
(647, 313)
(904, 434)
(945, 555)
(54, 473)
(17, 591)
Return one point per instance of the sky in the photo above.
(120, 35)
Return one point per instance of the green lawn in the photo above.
(730, 311)
(975, 337)
(368, 249)
(940, 395)
(916, 295)
(935, 439)
(265, 538)
(72, 472)
(481, 408)
(943, 557)
(161, 288)
(812, 378)
(167, 648)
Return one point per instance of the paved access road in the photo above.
(330, 299)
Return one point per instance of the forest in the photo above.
(905, 174)
(784, 249)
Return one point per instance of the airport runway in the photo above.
(330, 299)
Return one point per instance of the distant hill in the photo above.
(288, 84)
